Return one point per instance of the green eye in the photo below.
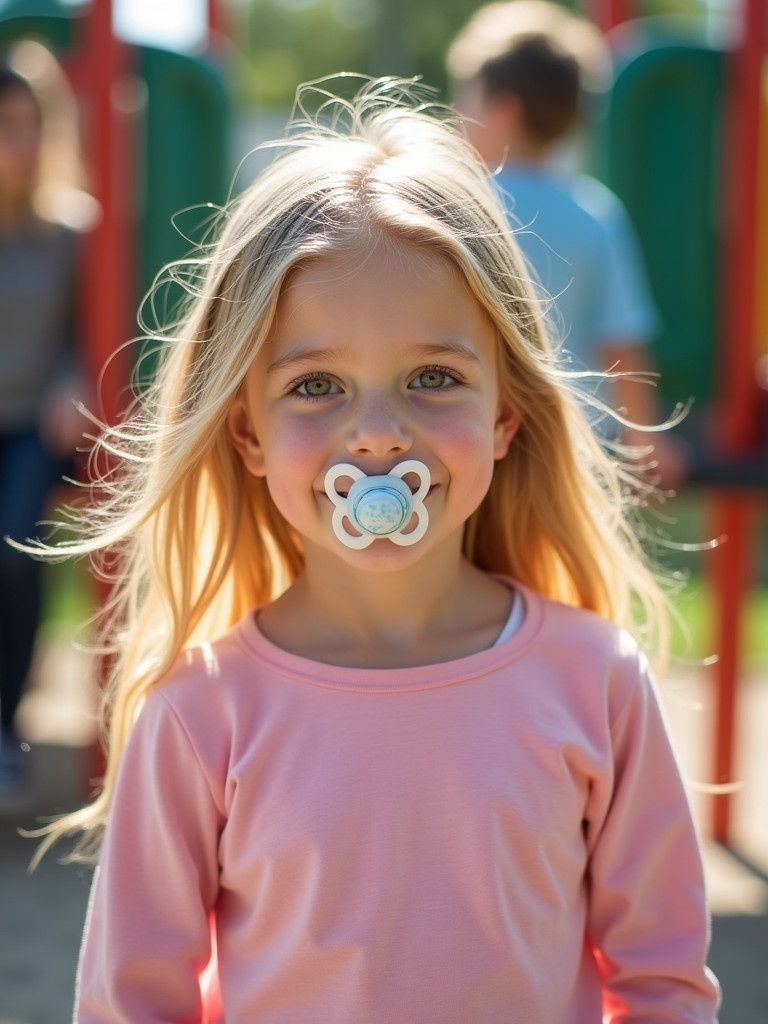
(432, 379)
(316, 388)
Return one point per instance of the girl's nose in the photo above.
(378, 428)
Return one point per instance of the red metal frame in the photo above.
(110, 252)
(217, 21)
(738, 412)
(101, 69)
(607, 14)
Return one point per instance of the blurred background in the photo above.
(170, 98)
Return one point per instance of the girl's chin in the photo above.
(381, 556)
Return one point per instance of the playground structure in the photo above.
(684, 142)
(155, 127)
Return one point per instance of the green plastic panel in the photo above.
(658, 149)
(184, 170)
(185, 153)
(43, 19)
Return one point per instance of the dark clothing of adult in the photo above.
(38, 272)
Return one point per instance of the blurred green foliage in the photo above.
(286, 42)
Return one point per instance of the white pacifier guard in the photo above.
(378, 506)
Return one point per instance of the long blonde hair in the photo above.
(192, 542)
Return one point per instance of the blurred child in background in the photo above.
(522, 73)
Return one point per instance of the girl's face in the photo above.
(19, 144)
(373, 360)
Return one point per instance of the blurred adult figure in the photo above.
(42, 213)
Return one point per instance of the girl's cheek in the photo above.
(465, 438)
(299, 434)
(296, 448)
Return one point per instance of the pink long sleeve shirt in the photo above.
(500, 839)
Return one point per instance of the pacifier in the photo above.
(378, 506)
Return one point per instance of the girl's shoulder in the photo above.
(577, 628)
(223, 666)
(588, 654)
(205, 703)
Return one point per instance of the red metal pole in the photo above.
(217, 22)
(738, 408)
(607, 14)
(739, 397)
(109, 254)
(110, 270)
(730, 577)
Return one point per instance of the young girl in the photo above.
(381, 750)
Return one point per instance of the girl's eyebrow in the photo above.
(300, 354)
(448, 347)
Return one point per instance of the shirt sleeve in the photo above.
(147, 937)
(649, 921)
(625, 309)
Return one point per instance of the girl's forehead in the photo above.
(391, 257)
(394, 296)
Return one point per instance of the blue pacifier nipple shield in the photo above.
(378, 506)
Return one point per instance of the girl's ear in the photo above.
(508, 421)
(244, 439)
